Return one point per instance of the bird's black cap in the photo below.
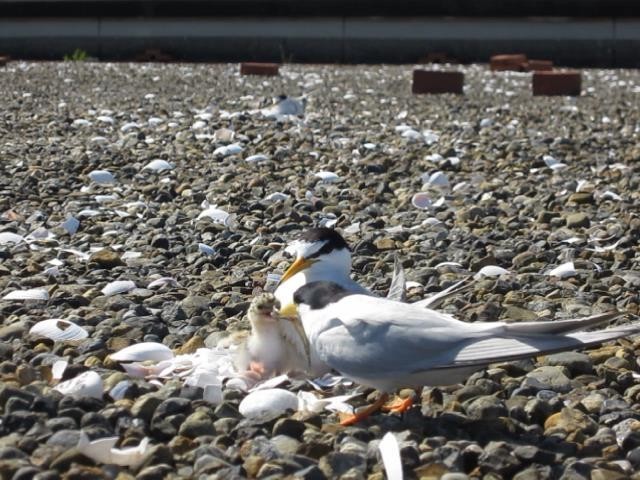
(319, 294)
(333, 240)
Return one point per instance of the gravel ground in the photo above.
(524, 183)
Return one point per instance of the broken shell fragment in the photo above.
(144, 351)
(87, 384)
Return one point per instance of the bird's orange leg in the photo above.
(398, 405)
(346, 420)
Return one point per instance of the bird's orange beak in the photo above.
(289, 311)
(297, 266)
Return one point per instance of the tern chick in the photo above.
(277, 344)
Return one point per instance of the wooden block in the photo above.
(427, 81)
(538, 65)
(566, 82)
(509, 62)
(254, 68)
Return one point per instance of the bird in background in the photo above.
(387, 344)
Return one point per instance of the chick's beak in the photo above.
(300, 264)
(289, 311)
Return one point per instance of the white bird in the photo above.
(276, 345)
(284, 105)
(387, 344)
(322, 254)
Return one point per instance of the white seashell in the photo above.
(163, 281)
(277, 197)
(228, 150)
(119, 390)
(206, 249)
(99, 140)
(409, 284)
(609, 195)
(129, 126)
(130, 255)
(141, 352)
(102, 177)
(71, 225)
(430, 137)
(80, 122)
(421, 200)
(119, 286)
(256, 158)
(158, 165)
(87, 384)
(59, 330)
(490, 271)
(105, 119)
(448, 264)
(199, 125)
(434, 158)
(150, 96)
(154, 121)
(402, 128)
(10, 237)
(437, 179)
(217, 216)
(265, 405)
(328, 222)
(103, 451)
(39, 294)
(369, 146)
(308, 401)
(486, 122)
(454, 161)
(563, 271)
(105, 198)
(412, 135)
(552, 163)
(327, 177)
(390, 453)
(89, 212)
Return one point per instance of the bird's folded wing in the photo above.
(294, 336)
(499, 349)
(561, 326)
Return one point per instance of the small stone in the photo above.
(577, 220)
(548, 378)
(577, 363)
(581, 198)
(336, 464)
(570, 420)
(145, 406)
(106, 258)
(191, 346)
(196, 425)
(385, 244)
(486, 407)
(289, 427)
(160, 241)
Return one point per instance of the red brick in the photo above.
(511, 62)
(538, 65)
(427, 81)
(254, 68)
(566, 82)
